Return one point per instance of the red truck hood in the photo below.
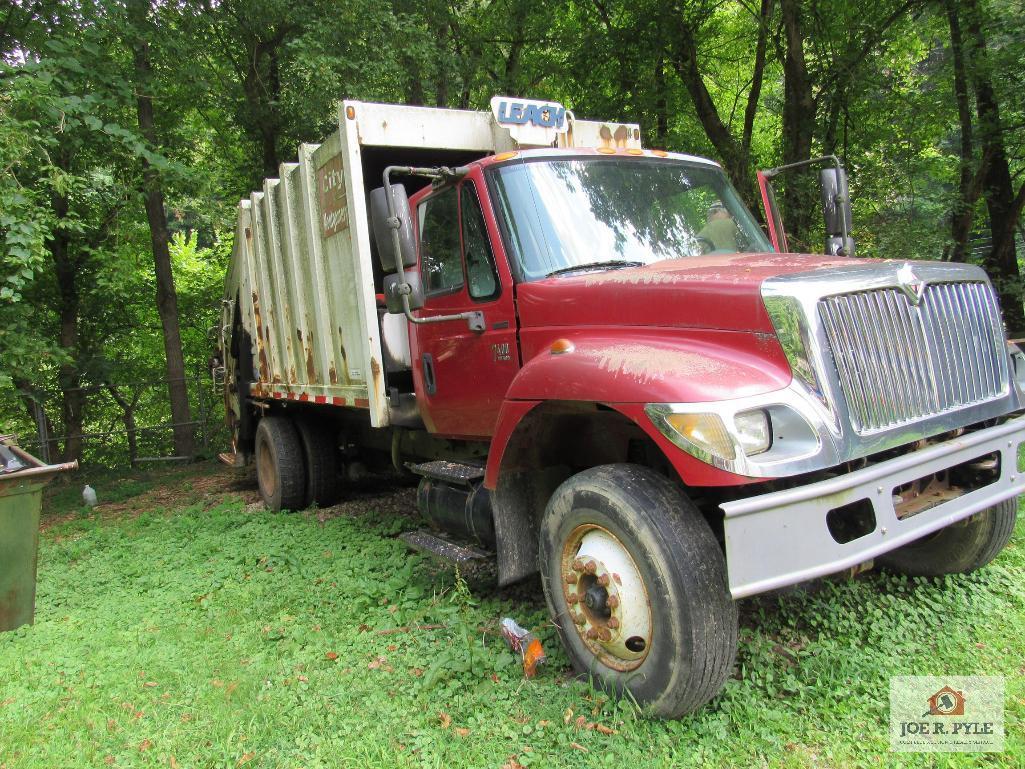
(721, 291)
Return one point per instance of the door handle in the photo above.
(428, 368)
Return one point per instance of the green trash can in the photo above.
(22, 478)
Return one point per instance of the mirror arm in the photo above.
(474, 319)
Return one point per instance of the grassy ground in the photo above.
(181, 625)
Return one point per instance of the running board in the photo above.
(430, 543)
(232, 459)
(451, 472)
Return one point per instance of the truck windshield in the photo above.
(595, 212)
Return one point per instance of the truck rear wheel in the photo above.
(279, 464)
(320, 458)
(959, 548)
(637, 585)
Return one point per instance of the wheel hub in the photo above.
(596, 599)
(606, 596)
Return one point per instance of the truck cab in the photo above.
(605, 371)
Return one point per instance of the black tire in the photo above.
(692, 618)
(280, 471)
(960, 548)
(321, 460)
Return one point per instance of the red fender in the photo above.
(625, 370)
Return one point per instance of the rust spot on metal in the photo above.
(277, 379)
(375, 367)
(249, 236)
(311, 372)
(291, 375)
(264, 366)
(332, 375)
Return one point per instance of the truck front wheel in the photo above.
(280, 472)
(637, 585)
(959, 548)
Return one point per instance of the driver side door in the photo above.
(461, 376)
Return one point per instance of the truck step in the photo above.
(232, 459)
(450, 472)
(429, 542)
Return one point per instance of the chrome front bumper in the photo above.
(780, 539)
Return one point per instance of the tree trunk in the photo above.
(661, 105)
(167, 298)
(963, 210)
(798, 124)
(684, 58)
(128, 417)
(757, 75)
(34, 401)
(998, 189)
(66, 272)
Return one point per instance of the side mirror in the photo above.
(836, 211)
(382, 234)
(392, 298)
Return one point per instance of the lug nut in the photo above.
(612, 623)
(572, 598)
(578, 565)
(571, 579)
(603, 580)
(591, 567)
(605, 634)
(580, 619)
(592, 633)
(613, 602)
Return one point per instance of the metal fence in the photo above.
(124, 423)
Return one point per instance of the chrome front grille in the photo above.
(898, 362)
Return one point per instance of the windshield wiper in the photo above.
(594, 266)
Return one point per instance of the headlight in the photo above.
(758, 439)
(706, 432)
(754, 430)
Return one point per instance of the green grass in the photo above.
(205, 635)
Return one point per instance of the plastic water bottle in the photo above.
(89, 496)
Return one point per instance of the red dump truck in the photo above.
(605, 371)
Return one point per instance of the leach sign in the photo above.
(525, 112)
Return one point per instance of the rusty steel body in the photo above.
(21, 495)
(301, 277)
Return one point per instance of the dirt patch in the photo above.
(207, 483)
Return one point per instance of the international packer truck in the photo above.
(603, 370)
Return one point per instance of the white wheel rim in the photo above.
(606, 597)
